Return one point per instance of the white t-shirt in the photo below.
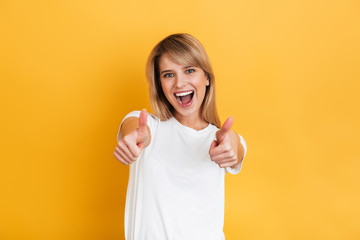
(175, 191)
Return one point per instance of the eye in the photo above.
(168, 75)
(190, 70)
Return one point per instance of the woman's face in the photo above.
(183, 86)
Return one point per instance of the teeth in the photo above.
(183, 93)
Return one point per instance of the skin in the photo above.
(135, 136)
(226, 150)
(177, 78)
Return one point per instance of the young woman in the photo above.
(179, 155)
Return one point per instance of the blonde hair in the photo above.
(183, 49)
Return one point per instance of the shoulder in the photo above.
(132, 114)
(151, 119)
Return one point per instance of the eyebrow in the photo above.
(170, 70)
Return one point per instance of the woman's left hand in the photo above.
(224, 150)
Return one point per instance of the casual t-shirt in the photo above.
(175, 191)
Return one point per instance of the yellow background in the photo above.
(288, 71)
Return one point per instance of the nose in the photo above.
(181, 80)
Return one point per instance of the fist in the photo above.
(130, 146)
(223, 150)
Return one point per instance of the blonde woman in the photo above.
(179, 155)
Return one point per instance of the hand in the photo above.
(223, 150)
(130, 146)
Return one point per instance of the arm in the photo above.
(227, 150)
(134, 136)
(236, 144)
(131, 124)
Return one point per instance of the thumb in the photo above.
(142, 132)
(142, 120)
(225, 128)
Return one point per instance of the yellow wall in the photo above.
(288, 71)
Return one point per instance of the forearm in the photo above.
(239, 149)
(130, 124)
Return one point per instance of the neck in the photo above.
(194, 122)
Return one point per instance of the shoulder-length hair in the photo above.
(184, 49)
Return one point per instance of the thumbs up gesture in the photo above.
(134, 139)
(224, 150)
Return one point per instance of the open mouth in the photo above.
(184, 98)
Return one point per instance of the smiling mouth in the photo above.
(184, 98)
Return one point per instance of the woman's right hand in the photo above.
(130, 145)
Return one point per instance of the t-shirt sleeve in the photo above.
(150, 121)
(233, 170)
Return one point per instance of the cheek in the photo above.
(166, 89)
(201, 85)
(201, 92)
(163, 86)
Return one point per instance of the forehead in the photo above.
(166, 62)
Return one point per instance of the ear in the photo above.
(207, 79)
